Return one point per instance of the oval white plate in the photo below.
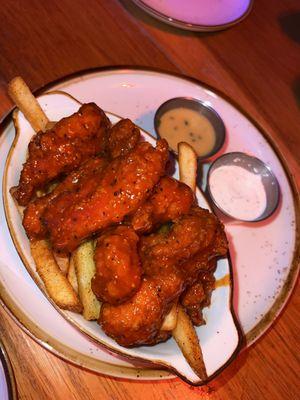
(197, 15)
(260, 292)
(219, 337)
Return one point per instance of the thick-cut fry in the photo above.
(184, 332)
(72, 277)
(57, 285)
(170, 320)
(27, 103)
(85, 270)
(187, 340)
(51, 267)
(62, 261)
(187, 159)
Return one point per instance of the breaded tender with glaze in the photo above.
(123, 137)
(62, 149)
(118, 268)
(82, 181)
(169, 199)
(126, 183)
(171, 261)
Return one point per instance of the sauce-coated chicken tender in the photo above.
(62, 149)
(118, 267)
(137, 321)
(170, 261)
(169, 199)
(82, 181)
(125, 185)
(190, 234)
(123, 137)
(197, 296)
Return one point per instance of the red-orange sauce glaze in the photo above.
(126, 183)
(198, 295)
(81, 181)
(171, 261)
(168, 201)
(118, 267)
(122, 138)
(225, 281)
(61, 149)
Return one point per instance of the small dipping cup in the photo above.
(244, 181)
(203, 110)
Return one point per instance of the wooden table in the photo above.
(256, 63)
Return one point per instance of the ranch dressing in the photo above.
(238, 192)
(185, 125)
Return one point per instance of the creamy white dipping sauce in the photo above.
(238, 192)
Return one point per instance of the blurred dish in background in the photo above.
(198, 15)
(7, 380)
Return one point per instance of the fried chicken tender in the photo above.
(197, 296)
(82, 182)
(126, 183)
(123, 137)
(62, 149)
(118, 268)
(170, 199)
(170, 261)
(190, 234)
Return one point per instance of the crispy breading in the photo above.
(168, 201)
(118, 268)
(57, 285)
(62, 149)
(82, 181)
(170, 261)
(126, 183)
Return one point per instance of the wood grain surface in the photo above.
(256, 63)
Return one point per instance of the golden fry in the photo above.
(85, 270)
(57, 285)
(184, 333)
(187, 159)
(170, 320)
(20, 93)
(187, 340)
(72, 277)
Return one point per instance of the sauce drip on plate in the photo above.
(225, 281)
(238, 192)
(184, 125)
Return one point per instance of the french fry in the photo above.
(51, 267)
(20, 93)
(72, 277)
(85, 270)
(187, 340)
(170, 320)
(187, 159)
(184, 333)
(56, 284)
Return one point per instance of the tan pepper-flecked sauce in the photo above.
(185, 125)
